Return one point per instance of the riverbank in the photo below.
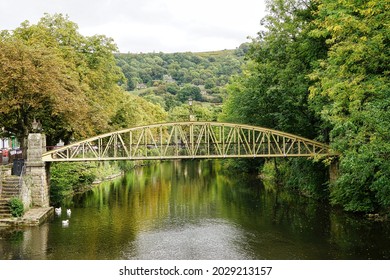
(32, 217)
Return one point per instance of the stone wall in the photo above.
(25, 192)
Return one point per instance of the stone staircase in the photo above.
(9, 189)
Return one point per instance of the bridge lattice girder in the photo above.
(181, 140)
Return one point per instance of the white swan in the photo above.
(65, 223)
(58, 210)
(68, 212)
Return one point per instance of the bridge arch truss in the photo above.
(181, 140)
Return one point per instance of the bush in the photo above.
(17, 207)
(68, 178)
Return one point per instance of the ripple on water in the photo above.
(208, 239)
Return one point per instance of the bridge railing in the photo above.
(189, 140)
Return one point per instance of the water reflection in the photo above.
(209, 239)
(26, 243)
(194, 210)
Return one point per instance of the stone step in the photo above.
(10, 191)
(10, 187)
(10, 181)
(10, 177)
(10, 195)
(13, 186)
(13, 189)
(13, 181)
(5, 216)
(6, 169)
(5, 212)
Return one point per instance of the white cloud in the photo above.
(150, 25)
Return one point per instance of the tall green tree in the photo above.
(273, 89)
(51, 72)
(34, 84)
(189, 91)
(352, 93)
(134, 111)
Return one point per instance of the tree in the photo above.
(273, 90)
(201, 113)
(352, 93)
(34, 83)
(51, 72)
(189, 91)
(133, 111)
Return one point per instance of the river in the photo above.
(196, 210)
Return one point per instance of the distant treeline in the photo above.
(170, 80)
(210, 69)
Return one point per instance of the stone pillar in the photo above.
(36, 170)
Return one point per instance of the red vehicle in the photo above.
(4, 156)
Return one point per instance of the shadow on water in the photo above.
(193, 210)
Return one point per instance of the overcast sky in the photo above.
(150, 25)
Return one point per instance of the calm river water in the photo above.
(194, 210)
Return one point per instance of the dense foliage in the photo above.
(321, 70)
(16, 206)
(352, 93)
(211, 69)
(170, 80)
(71, 83)
(274, 87)
(67, 178)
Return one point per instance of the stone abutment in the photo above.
(36, 177)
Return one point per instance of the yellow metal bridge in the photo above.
(189, 140)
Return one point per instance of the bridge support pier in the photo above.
(36, 170)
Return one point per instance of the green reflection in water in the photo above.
(196, 210)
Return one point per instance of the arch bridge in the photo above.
(189, 140)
